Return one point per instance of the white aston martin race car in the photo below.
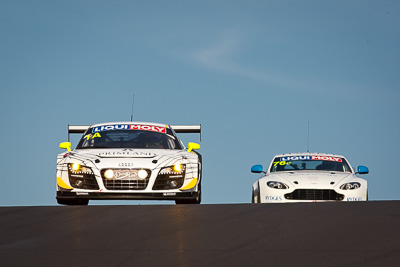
(129, 160)
(309, 177)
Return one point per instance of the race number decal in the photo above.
(276, 163)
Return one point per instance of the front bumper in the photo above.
(311, 195)
(127, 196)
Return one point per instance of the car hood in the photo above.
(144, 158)
(127, 153)
(316, 179)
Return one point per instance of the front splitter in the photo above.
(127, 196)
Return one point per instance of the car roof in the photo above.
(308, 154)
(131, 122)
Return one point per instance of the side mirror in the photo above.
(66, 145)
(193, 146)
(362, 170)
(257, 169)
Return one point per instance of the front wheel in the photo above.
(73, 202)
(255, 197)
(187, 201)
(196, 200)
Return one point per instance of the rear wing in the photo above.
(177, 128)
(187, 129)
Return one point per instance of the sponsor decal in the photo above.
(127, 153)
(127, 174)
(326, 158)
(354, 198)
(295, 158)
(273, 198)
(151, 128)
(82, 193)
(169, 194)
(311, 158)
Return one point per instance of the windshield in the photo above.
(317, 163)
(129, 136)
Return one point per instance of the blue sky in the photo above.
(253, 73)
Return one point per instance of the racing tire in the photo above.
(196, 200)
(73, 202)
(256, 198)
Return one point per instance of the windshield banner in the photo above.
(130, 127)
(311, 158)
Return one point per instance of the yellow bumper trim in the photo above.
(62, 184)
(190, 185)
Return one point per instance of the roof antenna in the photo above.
(133, 104)
(308, 137)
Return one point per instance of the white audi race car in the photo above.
(309, 177)
(129, 160)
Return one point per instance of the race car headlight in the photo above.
(171, 177)
(175, 169)
(277, 185)
(109, 174)
(350, 186)
(142, 174)
(81, 177)
(77, 168)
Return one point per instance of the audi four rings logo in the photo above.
(125, 164)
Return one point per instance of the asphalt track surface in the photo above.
(304, 234)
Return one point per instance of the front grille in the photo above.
(126, 183)
(314, 194)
